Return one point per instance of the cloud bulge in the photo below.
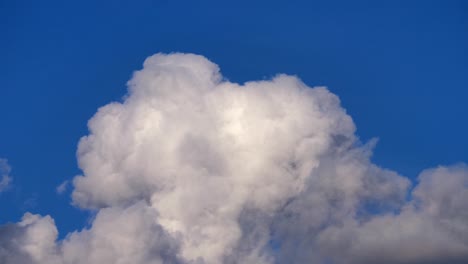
(192, 168)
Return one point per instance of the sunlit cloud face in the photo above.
(192, 168)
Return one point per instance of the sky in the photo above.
(399, 70)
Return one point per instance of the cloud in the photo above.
(5, 180)
(30, 241)
(191, 168)
(430, 228)
(122, 235)
(61, 188)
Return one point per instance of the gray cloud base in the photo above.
(191, 168)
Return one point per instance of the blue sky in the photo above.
(399, 68)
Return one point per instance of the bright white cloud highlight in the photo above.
(191, 168)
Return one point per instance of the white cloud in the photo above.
(191, 168)
(30, 241)
(122, 235)
(431, 228)
(5, 180)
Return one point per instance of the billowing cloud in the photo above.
(430, 228)
(192, 168)
(5, 178)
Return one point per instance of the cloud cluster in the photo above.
(192, 168)
(5, 180)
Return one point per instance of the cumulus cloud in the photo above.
(30, 241)
(430, 228)
(5, 180)
(192, 168)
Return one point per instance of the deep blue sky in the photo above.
(400, 69)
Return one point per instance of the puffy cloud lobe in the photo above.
(122, 235)
(30, 241)
(431, 228)
(118, 235)
(191, 168)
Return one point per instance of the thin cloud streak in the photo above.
(6, 179)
